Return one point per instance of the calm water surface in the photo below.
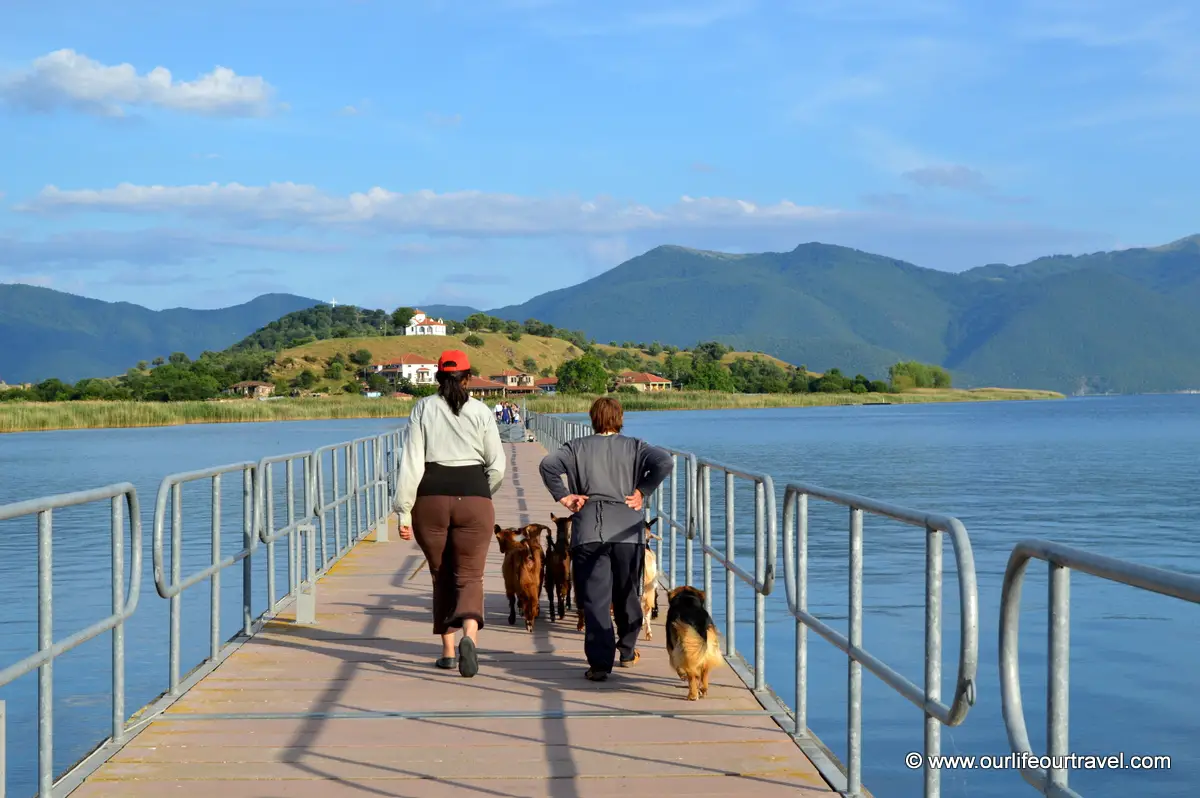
(1116, 475)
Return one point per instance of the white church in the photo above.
(423, 325)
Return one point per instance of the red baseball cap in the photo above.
(454, 360)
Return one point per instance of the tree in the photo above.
(158, 361)
(402, 317)
(362, 357)
(305, 380)
(334, 371)
(474, 339)
(476, 321)
(530, 365)
(710, 376)
(514, 336)
(584, 374)
(378, 382)
(911, 374)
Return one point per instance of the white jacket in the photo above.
(436, 435)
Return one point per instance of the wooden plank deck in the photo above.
(330, 687)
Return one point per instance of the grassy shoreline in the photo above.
(46, 416)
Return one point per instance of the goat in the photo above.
(650, 583)
(523, 574)
(558, 566)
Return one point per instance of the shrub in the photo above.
(473, 340)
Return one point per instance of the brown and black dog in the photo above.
(693, 644)
(523, 572)
(558, 565)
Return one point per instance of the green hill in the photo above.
(49, 333)
(1119, 321)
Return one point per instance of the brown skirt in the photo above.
(455, 532)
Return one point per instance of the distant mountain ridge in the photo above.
(46, 333)
(1121, 321)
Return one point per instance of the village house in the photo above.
(547, 384)
(643, 381)
(479, 387)
(515, 382)
(424, 325)
(417, 369)
(251, 389)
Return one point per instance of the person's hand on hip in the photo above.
(574, 502)
(634, 501)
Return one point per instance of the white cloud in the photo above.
(462, 213)
(65, 78)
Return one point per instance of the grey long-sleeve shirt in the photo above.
(606, 469)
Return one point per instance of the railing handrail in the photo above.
(168, 589)
(1062, 559)
(60, 501)
(123, 606)
(968, 658)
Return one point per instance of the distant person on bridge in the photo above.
(451, 466)
(608, 477)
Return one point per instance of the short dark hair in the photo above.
(607, 415)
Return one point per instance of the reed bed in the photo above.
(711, 400)
(37, 416)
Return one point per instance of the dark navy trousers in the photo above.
(608, 574)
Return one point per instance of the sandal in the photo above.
(468, 658)
(446, 663)
(629, 663)
(595, 676)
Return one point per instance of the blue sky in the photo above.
(481, 152)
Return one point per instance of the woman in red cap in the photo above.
(450, 468)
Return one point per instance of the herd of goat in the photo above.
(529, 569)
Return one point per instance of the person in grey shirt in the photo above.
(608, 477)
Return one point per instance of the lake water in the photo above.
(1115, 475)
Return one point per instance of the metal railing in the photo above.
(697, 522)
(795, 556)
(1052, 780)
(170, 492)
(363, 496)
(123, 500)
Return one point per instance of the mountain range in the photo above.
(1120, 321)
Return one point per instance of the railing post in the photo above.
(730, 577)
(801, 628)
(268, 499)
(1059, 680)
(383, 506)
(854, 691)
(118, 632)
(760, 574)
(214, 582)
(692, 498)
(337, 510)
(45, 641)
(176, 570)
(248, 533)
(293, 577)
(933, 656)
(674, 515)
(306, 596)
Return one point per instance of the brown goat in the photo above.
(522, 570)
(558, 566)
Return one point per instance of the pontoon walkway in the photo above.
(353, 705)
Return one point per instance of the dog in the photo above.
(523, 571)
(650, 583)
(558, 566)
(693, 645)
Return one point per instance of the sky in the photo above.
(482, 152)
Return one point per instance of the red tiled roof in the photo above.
(511, 373)
(547, 381)
(480, 382)
(642, 377)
